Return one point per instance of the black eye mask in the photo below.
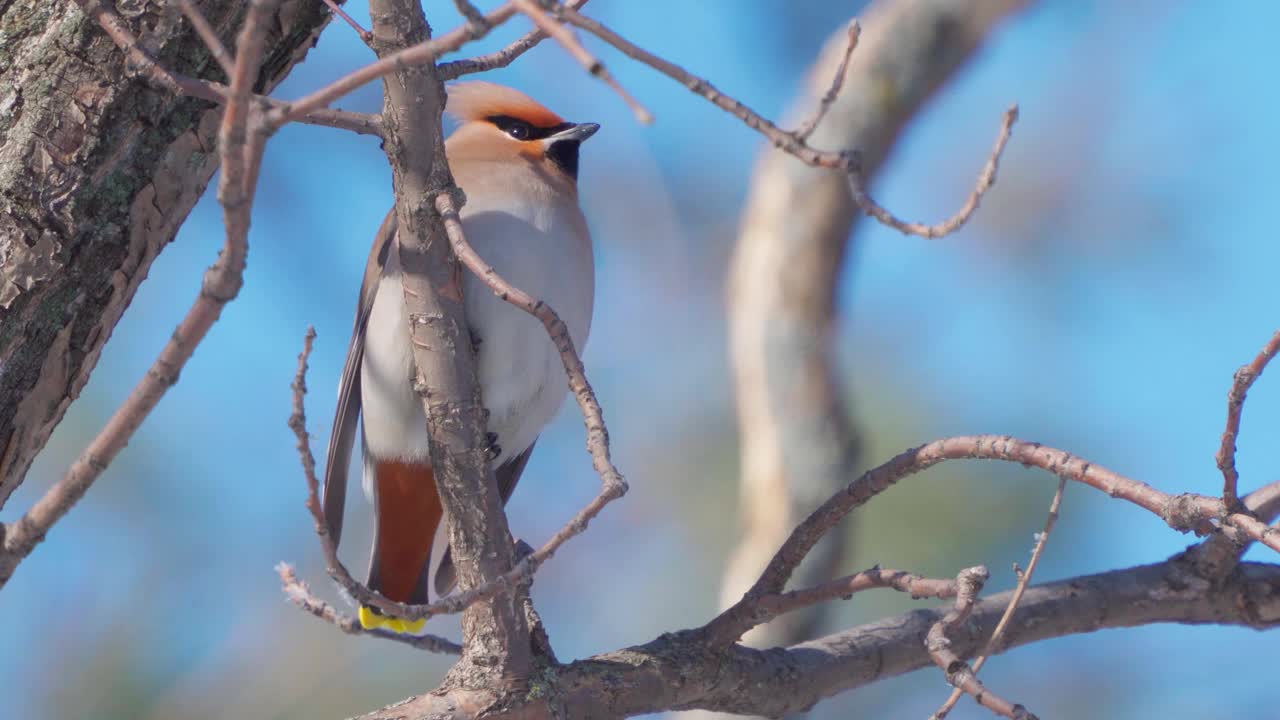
(523, 130)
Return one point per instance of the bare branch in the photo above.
(798, 432)
(337, 570)
(497, 640)
(806, 129)
(475, 19)
(183, 85)
(1244, 379)
(221, 284)
(986, 179)
(125, 40)
(1216, 557)
(299, 594)
(679, 671)
(780, 138)
(914, 585)
(1024, 580)
(423, 53)
(794, 144)
(499, 59)
(1184, 512)
(970, 582)
(297, 590)
(365, 35)
(597, 432)
(589, 62)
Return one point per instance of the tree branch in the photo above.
(589, 62)
(1184, 512)
(678, 671)
(798, 443)
(1024, 580)
(500, 59)
(844, 588)
(986, 179)
(958, 672)
(183, 85)
(416, 55)
(365, 35)
(496, 637)
(1244, 379)
(614, 486)
(240, 159)
(299, 594)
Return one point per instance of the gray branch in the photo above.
(798, 443)
(676, 671)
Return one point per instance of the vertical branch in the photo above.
(495, 634)
(797, 442)
(1243, 380)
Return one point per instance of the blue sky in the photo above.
(1119, 272)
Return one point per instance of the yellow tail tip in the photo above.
(371, 619)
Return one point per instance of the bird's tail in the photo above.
(408, 512)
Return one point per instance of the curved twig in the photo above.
(986, 179)
(1240, 385)
(958, 672)
(1185, 512)
(1024, 580)
(500, 59)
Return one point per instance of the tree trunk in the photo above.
(98, 170)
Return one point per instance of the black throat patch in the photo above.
(564, 153)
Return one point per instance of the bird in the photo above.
(517, 163)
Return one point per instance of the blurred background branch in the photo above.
(1097, 249)
(798, 440)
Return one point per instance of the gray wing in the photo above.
(507, 475)
(348, 411)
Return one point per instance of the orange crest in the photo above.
(477, 100)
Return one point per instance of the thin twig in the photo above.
(475, 19)
(1187, 512)
(419, 54)
(1024, 579)
(1216, 557)
(185, 86)
(1243, 380)
(500, 59)
(300, 594)
(780, 138)
(456, 602)
(365, 35)
(221, 284)
(589, 62)
(613, 486)
(806, 129)
(987, 178)
(298, 591)
(208, 36)
(796, 145)
(970, 582)
(241, 150)
(917, 586)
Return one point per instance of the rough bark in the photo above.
(98, 170)
(496, 640)
(678, 671)
(797, 442)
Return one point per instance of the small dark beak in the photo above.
(577, 133)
